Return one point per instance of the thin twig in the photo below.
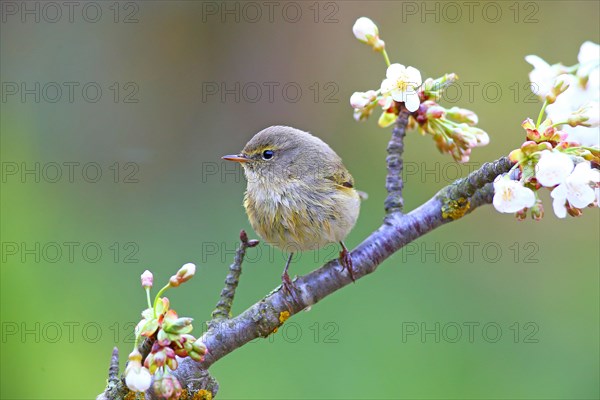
(113, 369)
(393, 182)
(223, 309)
(115, 387)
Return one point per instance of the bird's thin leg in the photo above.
(286, 282)
(346, 261)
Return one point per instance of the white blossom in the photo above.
(588, 52)
(511, 196)
(588, 57)
(584, 89)
(402, 83)
(553, 168)
(583, 135)
(570, 102)
(542, 76)
(578, 189)
(137, 378)
(588, 114)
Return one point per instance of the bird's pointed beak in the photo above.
(241, 158)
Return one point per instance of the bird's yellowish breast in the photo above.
(299, 216)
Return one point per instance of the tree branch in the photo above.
(113, 369)
(223, 308)
(115, 387)
(393, 182)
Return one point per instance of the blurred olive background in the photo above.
(485, 307)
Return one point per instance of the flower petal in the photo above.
(536, 62)
(398, 95)
(581, 198)
(588, 52)
(526, 197)
(560, 210)
(394, 71)
(553, 168)
(414, 76)
(412, 101)
(559, 193)
(387, 85)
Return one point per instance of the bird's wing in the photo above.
(341, 177)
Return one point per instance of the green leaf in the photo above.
(386, 119)
(150, 327)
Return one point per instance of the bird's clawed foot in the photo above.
(286, 282)
(346, 261)
(288, 286)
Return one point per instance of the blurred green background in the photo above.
(518, 317)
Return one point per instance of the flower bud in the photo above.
(167, 386)
(363, 28)
(199, 347)
(367, 32)
(198, 351)
(462, 115)
(172, 324)
(483, 139)
(137, 378)
(187, 342)
(435, 111)
(185, 273)
(155, 360)
(521, 215)
(537, 211)
(177, 325)
(160, 358)
(147, 279)
(434, 88)
(172, 363)
(360, 100)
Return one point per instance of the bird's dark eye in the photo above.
(267, 154)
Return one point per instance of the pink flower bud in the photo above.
(185, 273)
(200, 347)
(360, 100)
(435, 111)
(147, 279)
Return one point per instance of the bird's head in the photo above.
(280, 153)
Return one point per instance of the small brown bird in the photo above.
(299, 194)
